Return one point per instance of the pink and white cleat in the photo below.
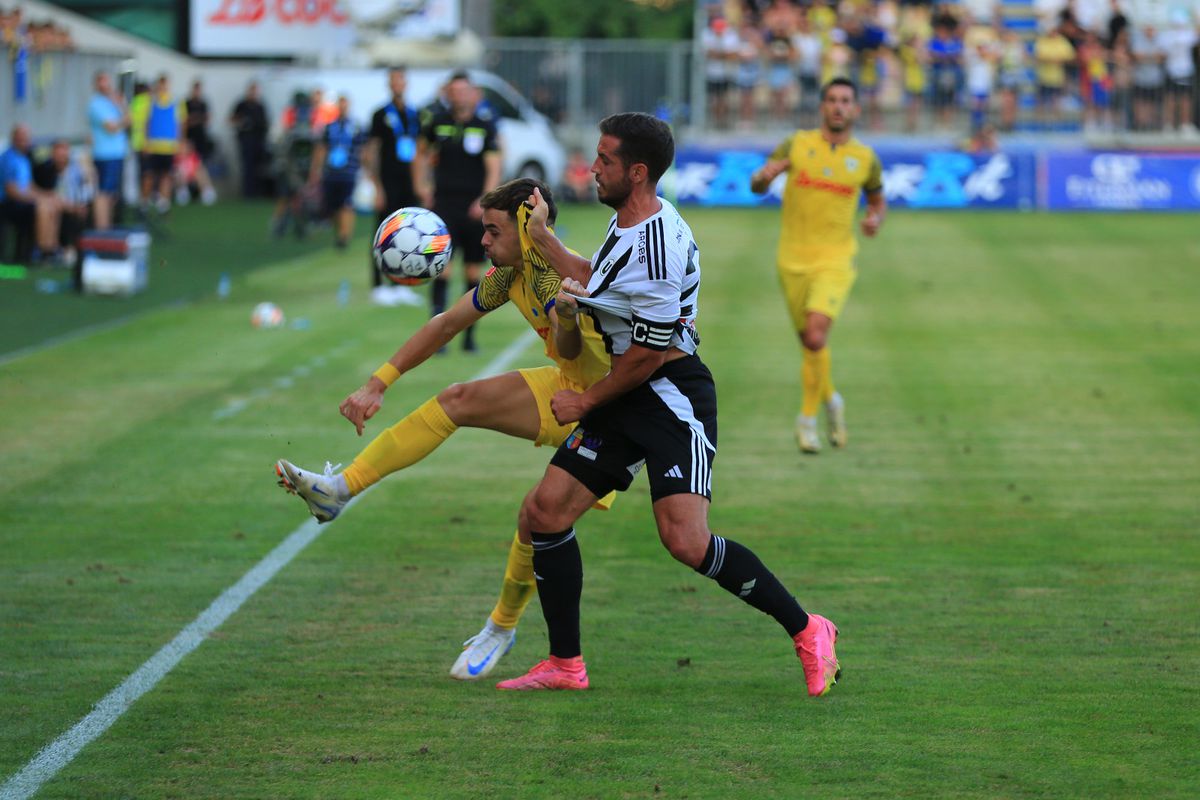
(553, 673)
(814, 645)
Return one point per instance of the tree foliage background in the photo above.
(594, 19)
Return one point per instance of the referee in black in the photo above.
(391, 152)
(460, 161)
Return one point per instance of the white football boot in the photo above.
(482, 652)
(835, 417)
(806, 434)
(326, 494)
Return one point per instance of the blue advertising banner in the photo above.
(1122, 181)
(915, 179)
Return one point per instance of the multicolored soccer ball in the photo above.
(266, 315)
(411, 246)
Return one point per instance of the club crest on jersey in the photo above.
(851, 163)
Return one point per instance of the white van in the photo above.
(531, 149)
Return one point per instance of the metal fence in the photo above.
(578, 82)
(58, 87)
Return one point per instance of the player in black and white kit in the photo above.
(656, 408)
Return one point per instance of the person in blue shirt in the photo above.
(335, 165)
(164, 133)
(946, 59)
(395, 130)
(109, 121)
(23, 203)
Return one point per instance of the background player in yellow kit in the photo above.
(827, 171)
(516, 403)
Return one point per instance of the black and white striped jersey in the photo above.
(645, 284)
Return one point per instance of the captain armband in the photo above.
(654, 335)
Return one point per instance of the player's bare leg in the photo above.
(502, 403)
(683, 528)
(549, 513)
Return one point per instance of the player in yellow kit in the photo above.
(827, 172)
(516, 403)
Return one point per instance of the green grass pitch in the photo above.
(1009, 544)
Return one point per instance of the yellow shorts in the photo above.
(822, 289)
(544, 382)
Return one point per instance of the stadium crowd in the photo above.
(41, 36)
(765, 59)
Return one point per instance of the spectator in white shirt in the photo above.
(1177, 43)
(721, 46)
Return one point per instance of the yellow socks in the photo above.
(518, 588)
(400, 446)
(826, 364)
(815, 379)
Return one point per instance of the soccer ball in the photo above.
(266, 315)
(411, 246)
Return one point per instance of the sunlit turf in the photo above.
(1009, 544)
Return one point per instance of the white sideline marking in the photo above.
(86, 331)
(56, 755)
(240, 404)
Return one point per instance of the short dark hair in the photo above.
(509, 196)
(459, 75)
(645, 139)
(840, 82)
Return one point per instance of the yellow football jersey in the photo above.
(820, 200)
(532, 289)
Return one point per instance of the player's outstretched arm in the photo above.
(429, 338)
(564, 262)
(567, 338)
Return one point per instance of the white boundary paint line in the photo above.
(56, 755)
(240, 404)
(85, 332)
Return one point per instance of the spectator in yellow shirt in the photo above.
(1053, 52)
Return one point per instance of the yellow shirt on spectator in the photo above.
(914, 70)
(1052, 52)
(139, 112)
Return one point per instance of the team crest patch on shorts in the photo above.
(591, 443)
(575, 439)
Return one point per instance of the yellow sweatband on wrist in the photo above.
(387, 373)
